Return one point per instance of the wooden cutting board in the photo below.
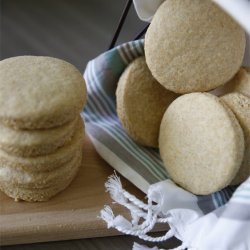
(72, 214)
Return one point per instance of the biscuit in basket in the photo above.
(239, 83)
(49, 161)
(240, 105)
(193, 45)
(141, 103)
(39, 92)
(201, 143)
(36, 142)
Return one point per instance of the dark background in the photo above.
(73, 30)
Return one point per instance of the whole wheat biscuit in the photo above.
(240, 105)
(39, 194)
(32, 195)
(49, 161)
(39, 92)
(141, 103)
(36, 142)
(193, 45)
(45, 179)
(239, 83)
(201, 143)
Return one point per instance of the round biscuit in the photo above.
(240, 105)
(49, 161)
(239, 83)
(37, 180)
(141, 102)
(193, 45)
(35, 142)
(39, 194)
(201, 143)
(39, 92)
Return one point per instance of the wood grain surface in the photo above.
(72, 214)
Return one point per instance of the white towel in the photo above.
(225, 228)
(238, 9)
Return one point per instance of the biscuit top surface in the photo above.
(201, 143)
(39, 92)
(192, 45)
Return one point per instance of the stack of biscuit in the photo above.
(41, 130)
(191, 47)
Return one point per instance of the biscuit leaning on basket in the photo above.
(193, 45)
(240, 105)
(201, 143)
(42, 132)
(141, 103)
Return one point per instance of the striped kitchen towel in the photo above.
(142, 165)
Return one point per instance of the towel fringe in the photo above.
(150, 213)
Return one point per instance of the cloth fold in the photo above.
(146, 8)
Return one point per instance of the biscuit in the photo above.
(201, 143)
(39, 194)
(36, 142)
(49, 161)
(141, 103)
(39, 92)
(240, 105)
(193, 45)
(239, 83)
(33, 180)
